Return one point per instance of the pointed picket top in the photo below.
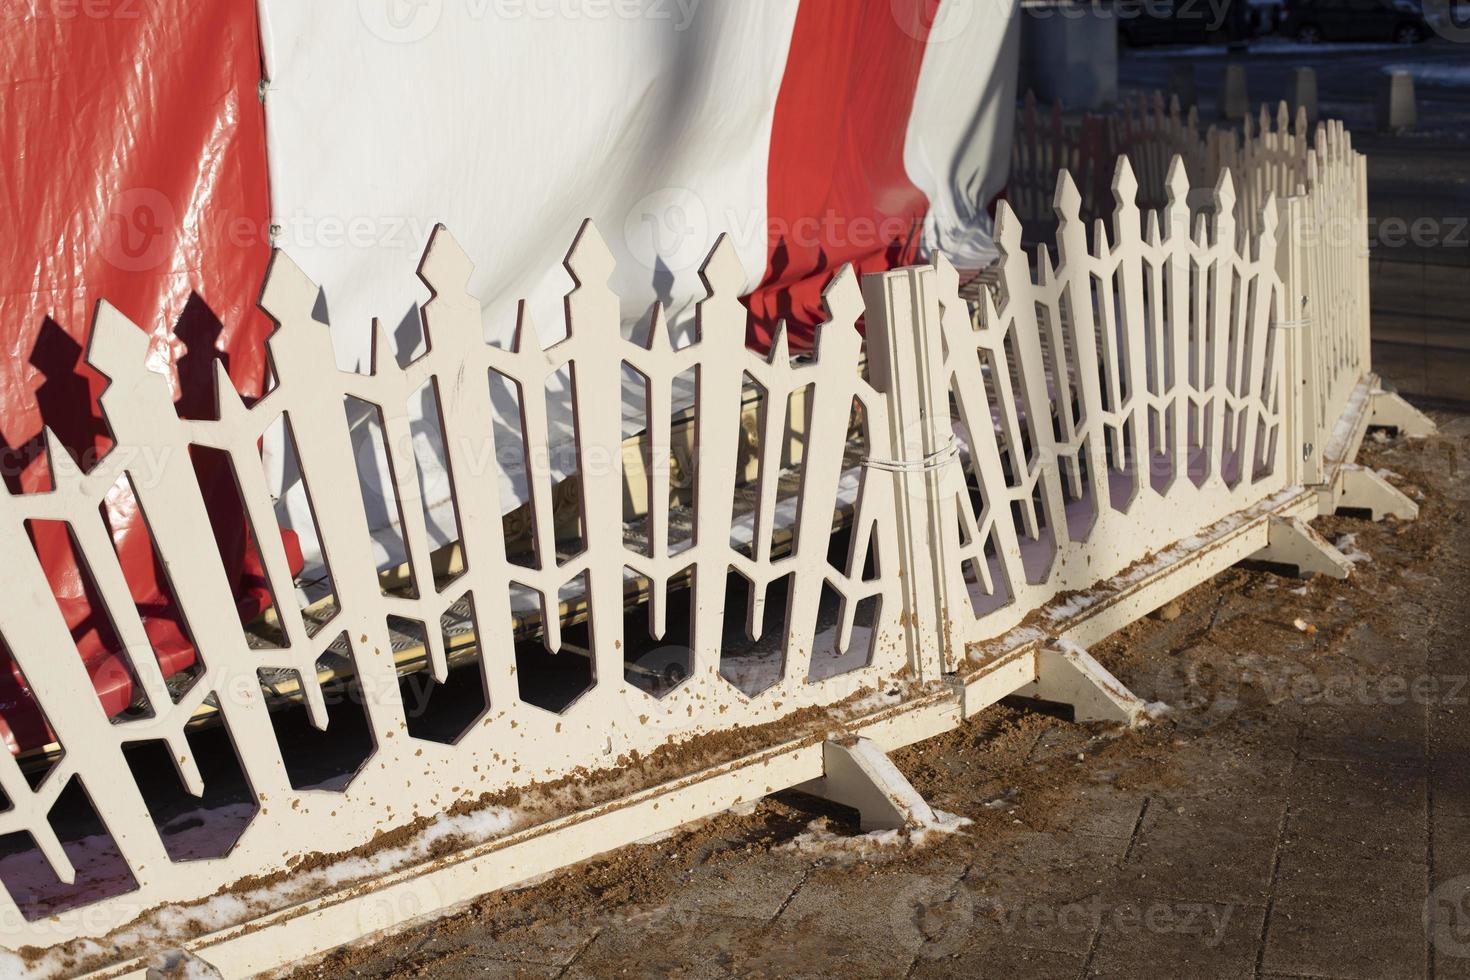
(989, 316)
(1125, 183)
(1201, 235)
(65, 473)
(722, 272)
(1151, 229)
(658, 330)
(780, 355)
(1283, 118)
(1176, 184)
(1301, 122)
(589, 260)
(1269, 220)
(1007, 229)
(525, 338)
(118, 347)
(1044, 265)
(1225, 194)
(229, 407)
(843, 299)
(1067, 202)
(445, 266)
(1264, 129)
(381, 349)
(288, 294)
(946, 277)
(1100, 233)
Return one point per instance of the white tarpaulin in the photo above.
(511, 121)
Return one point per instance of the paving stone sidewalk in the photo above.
(1304, 812)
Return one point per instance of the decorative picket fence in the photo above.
(1317, 181)
(1117, 401)
(835, 533)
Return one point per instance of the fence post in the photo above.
(906, 365)
(1299, 414)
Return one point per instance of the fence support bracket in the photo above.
(1389, 409)
(1068, 674)
(860, 775)
(1292, 541)
(1364, 489)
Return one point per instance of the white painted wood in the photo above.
(1100, 435)
(1076, 397)
(1365, 489)
(1293, 541)
(1067, 674)
(514, 742)
(856, 773)
(1390, 409)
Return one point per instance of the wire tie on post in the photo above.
(933, 461)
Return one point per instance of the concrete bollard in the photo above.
(1235, 102)
(1303, 95)
(1396, 108)
(1181, 83)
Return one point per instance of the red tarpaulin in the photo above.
(134, 159)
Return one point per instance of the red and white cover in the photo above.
(156, 149)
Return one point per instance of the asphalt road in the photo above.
(1349, 77)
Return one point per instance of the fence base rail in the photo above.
(829, 557)
(849, 766)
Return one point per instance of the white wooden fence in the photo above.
(1316, 179)
(977, 465)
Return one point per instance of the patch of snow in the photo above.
(1348, 545)
(821, 841)
(1156, 710)
(166, 924)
